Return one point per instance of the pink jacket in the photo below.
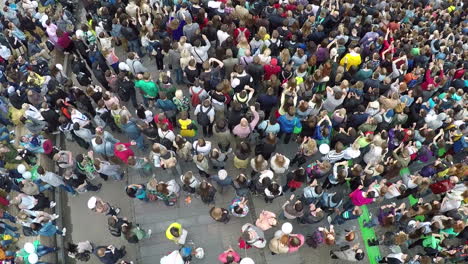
(358, 198)
(223, 256)
(266, 220)
(294, 249)
(244, 132)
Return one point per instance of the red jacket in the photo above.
(125, 154)
(429, 80)
(442, 186)
(64, 41)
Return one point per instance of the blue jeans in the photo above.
(9, 230)
(134, 45)
(44, 250)
(179, 76)
(68, 188)
(49, 2)
(9, 217)
(5, 243)
(4, 133)
(140, 143)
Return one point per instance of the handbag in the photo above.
(296, 129)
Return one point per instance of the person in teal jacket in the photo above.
(287, 124)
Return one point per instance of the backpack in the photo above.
(195, 97)
(83, 256)
(82, 79)
(166, 142)
(188, 189)
(241, 34)
(117, 117)
(275, 47)
(202, 117)
(124, 90)
(315, 239)
(215, 79)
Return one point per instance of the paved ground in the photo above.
(203, 231)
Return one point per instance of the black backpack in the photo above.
(275, 47)
(125, 89)
(202, 117)
(166, 142)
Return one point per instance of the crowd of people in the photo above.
(372, 95)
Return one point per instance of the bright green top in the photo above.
(431, 242)
(149, 88)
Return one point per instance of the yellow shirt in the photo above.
(353, 60)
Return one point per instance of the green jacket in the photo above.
(149, 88)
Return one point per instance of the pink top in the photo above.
(125, 154)
(223, 256)
(294, 249)
(358, 198)
(244, 132)
(266, 220)
(112, 100)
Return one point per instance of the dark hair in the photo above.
(299, 206)
(238, 209)
(131, 192)
(174, 231)
(72, 248)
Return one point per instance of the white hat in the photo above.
(11, 90)
(324, 149)
(33, 258)
(222, 174)
(246, 261)
(59, 66)
(92, 202)
(29, 247)
(21, 168)
(287, 228)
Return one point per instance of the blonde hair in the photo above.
(179, 94)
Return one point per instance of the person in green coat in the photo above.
(134, 234)
(148, 88)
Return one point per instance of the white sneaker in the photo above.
(150, 232)
(55, 216)
(329, 219)
(64, 231)
(53, 204)
(117, 210)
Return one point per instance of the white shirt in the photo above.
(52, 179)
(78, 117)
(205, 150)
(222, 36)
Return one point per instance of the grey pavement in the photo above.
(204, 232)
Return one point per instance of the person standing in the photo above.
(109, 254)
(176, 233)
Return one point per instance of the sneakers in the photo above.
(55, 216)
(64, 231)
(329, 219)
(99, 187)
(52, 204)
(150, 232)
(117, 210)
